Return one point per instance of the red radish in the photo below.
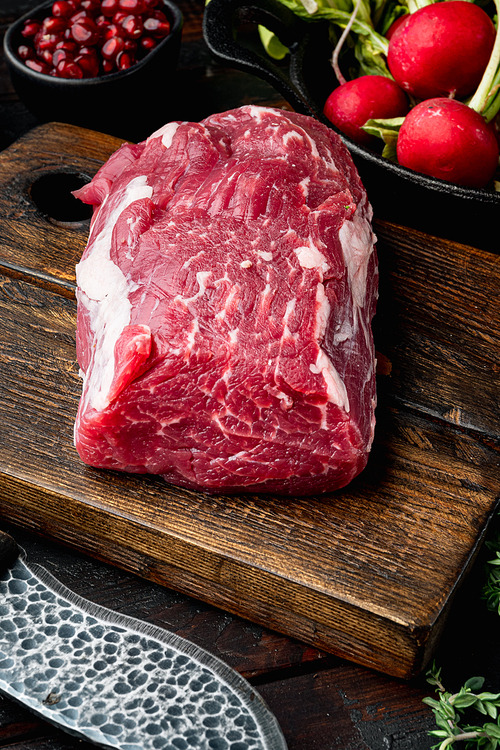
(442, 49)
(395, 25)
(447, 139)
(350, 105)
(494, 125)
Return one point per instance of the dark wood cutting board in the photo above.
(368, 573)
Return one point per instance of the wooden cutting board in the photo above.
(367, 573)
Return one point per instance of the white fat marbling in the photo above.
(323, 310)
(310, 257)
(335, 386)
(104, 290)
(357, 242)
(201, 278)
(166, 133)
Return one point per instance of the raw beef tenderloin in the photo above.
(225, 301)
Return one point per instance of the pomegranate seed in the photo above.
(101, 21)
(112, 47)
(125, 60)
(136, 7)
(83, 50)
(46, 41)
(24, 52)
(88, 64)
(111, 31)
(62, 9)
(30, 28)
(147, 43)
(159, 14)
(132, 26)
(85, 38)
(52, 25)
(91, 6)
(108, 66)
(157, 28)
(81, 15)
(46, 55)
(69, 69)
(67, 45)
(109, 7)
(39, 66)
(85, 32)
(60, 54)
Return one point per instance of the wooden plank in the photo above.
(366, 713)
(32, 242)
(438, 328)
(367, 573)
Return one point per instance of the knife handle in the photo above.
(9, 551)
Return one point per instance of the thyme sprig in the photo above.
(448, 710)
(491, 589)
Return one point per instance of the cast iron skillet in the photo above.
(466, 215)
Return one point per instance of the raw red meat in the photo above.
(225, 300)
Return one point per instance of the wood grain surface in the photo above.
(367, 573)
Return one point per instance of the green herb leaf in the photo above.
(387, 131)
(464, 700)
(447, 712)
(493, 730)
(491, 710)
(489, 696)
(474, 683)
(432, 702)
(272, 44)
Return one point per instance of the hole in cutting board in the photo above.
(51, 193)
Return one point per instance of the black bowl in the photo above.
(398, 194)
(129, 104)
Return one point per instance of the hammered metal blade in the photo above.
(119, 682)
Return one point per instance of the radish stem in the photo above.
(340, 43)
(414, 5)
(486, 99)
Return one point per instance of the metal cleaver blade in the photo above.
(116, 681)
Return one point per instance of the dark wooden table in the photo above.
(321, 701)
